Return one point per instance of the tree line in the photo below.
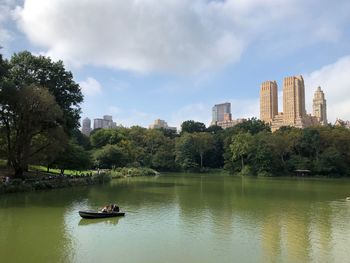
(39, 121)
(249, 148)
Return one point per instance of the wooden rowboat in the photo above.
(94, 214)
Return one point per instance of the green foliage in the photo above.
(27, 69)
(192, 126)
(185, 152)
(132, 172)
(110, 156)
(241, 147)
(253, 126)
(73, 157)
(322, 150)
(30, 121)
(39, 106)
(214, 129)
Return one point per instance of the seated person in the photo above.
(115, 208)
(105, 209)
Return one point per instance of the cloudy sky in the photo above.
(139, 60)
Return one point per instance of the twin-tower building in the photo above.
(294, 111)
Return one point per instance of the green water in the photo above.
(182, 218)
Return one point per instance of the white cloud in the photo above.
(5, 16)
(175, 35)
(334, 79)
(90, 87)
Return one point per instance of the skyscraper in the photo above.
(221, 112)
(293, 99)
(320, 106)
(86, 127)
(294, 112)
(268, 101)
(105, 123)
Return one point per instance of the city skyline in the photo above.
(293, 110)
(217, 51)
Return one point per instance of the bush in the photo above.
(246, 171)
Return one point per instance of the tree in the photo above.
(73, 157)
(241, 147)
(185, 152)
(26, 114)
(110, 156)
(101, 138)
(25, 69)
(253, 126)
(203, 142)
(164, 158)
(192, 126)
(214, 129)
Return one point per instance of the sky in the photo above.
(140, 60)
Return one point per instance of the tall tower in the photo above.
(220, 112)
(320, 106)
(86, 127)
(268, 101)
(293, 99)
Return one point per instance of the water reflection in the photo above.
(102, 221)
(181, 218)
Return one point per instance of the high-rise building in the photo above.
(161, 124)
(98, 123)
(293, 99)
(268, 101)
(222, 116)
(294, 112)
(86, 127)
(320, 106)
(220, 112)
(105, 123)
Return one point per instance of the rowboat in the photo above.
(93, 214)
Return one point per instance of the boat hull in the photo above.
(93, 214)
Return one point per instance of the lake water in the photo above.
(182, 218)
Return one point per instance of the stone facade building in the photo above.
(294, 111)
(228, 123)
(268, 100)
(161, 124)
(320, 106)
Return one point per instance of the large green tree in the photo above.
(73, 157)
(26, 69)
(203, 142)
(27, 114)
(241, 147)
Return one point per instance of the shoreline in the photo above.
(40, 181)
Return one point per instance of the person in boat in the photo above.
(105, 209)
(110, 208)
(115, 208)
